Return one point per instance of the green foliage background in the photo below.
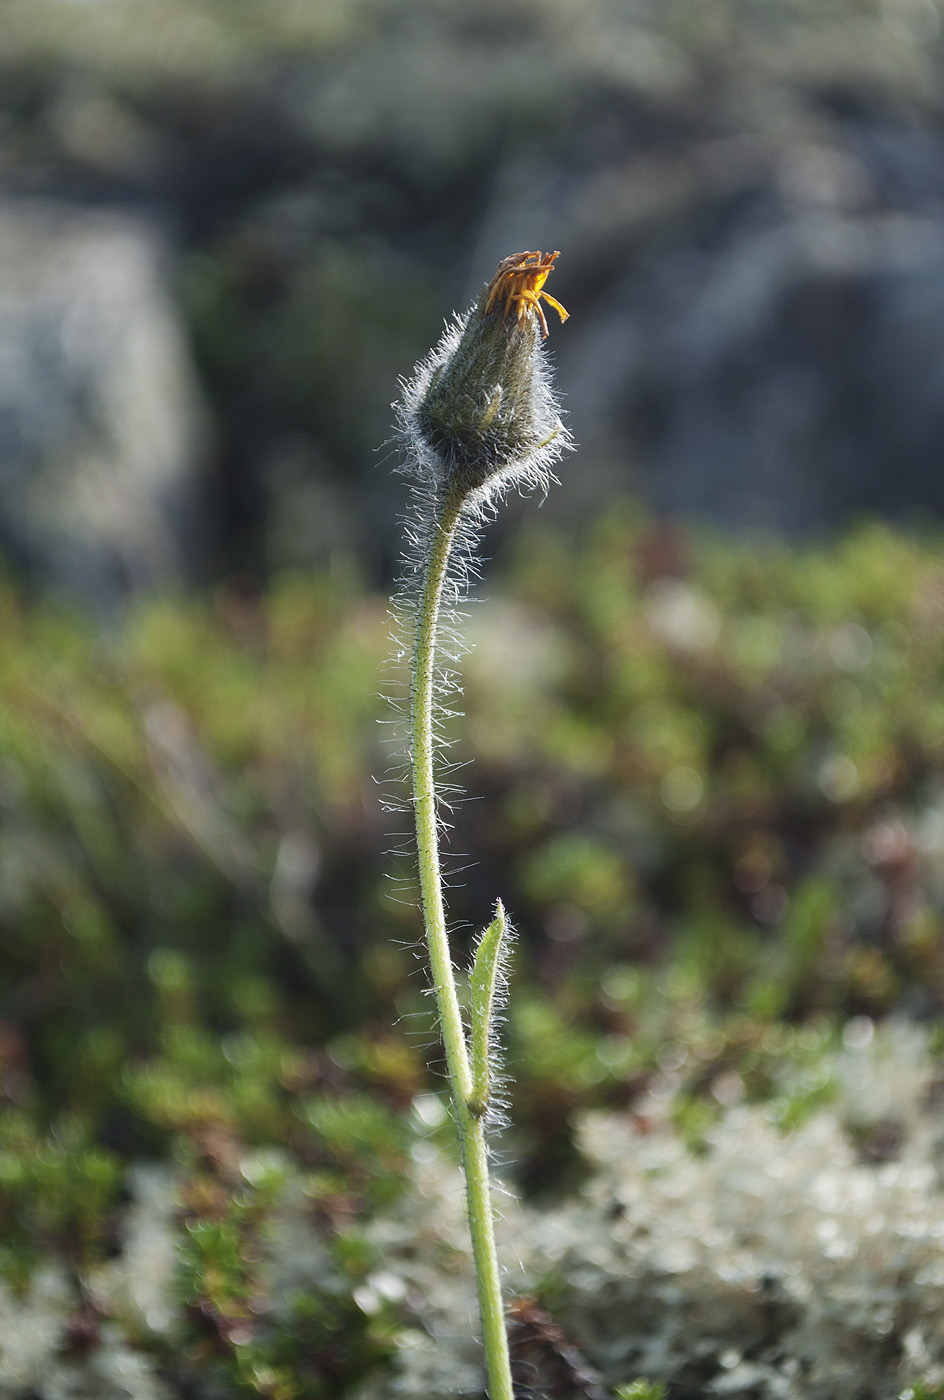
(712, 792)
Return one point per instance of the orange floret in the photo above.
(519, 284)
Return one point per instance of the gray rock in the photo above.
(102, 432)
(794, 377)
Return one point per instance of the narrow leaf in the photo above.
(485, 972)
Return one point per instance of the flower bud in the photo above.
(480, 410)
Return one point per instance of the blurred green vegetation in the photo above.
(712, 792)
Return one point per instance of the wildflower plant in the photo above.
(478, 418)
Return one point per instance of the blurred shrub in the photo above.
(170, 800)
(713, 794)
(695, 757)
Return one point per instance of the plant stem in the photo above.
(482, 1229)
(471, 1125)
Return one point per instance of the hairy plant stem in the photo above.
(471, 1122)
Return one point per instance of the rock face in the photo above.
(101, 427)
(749, 201)
(786, 373)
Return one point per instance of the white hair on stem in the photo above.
(478, 419)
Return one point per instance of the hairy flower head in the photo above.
(479, 413)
